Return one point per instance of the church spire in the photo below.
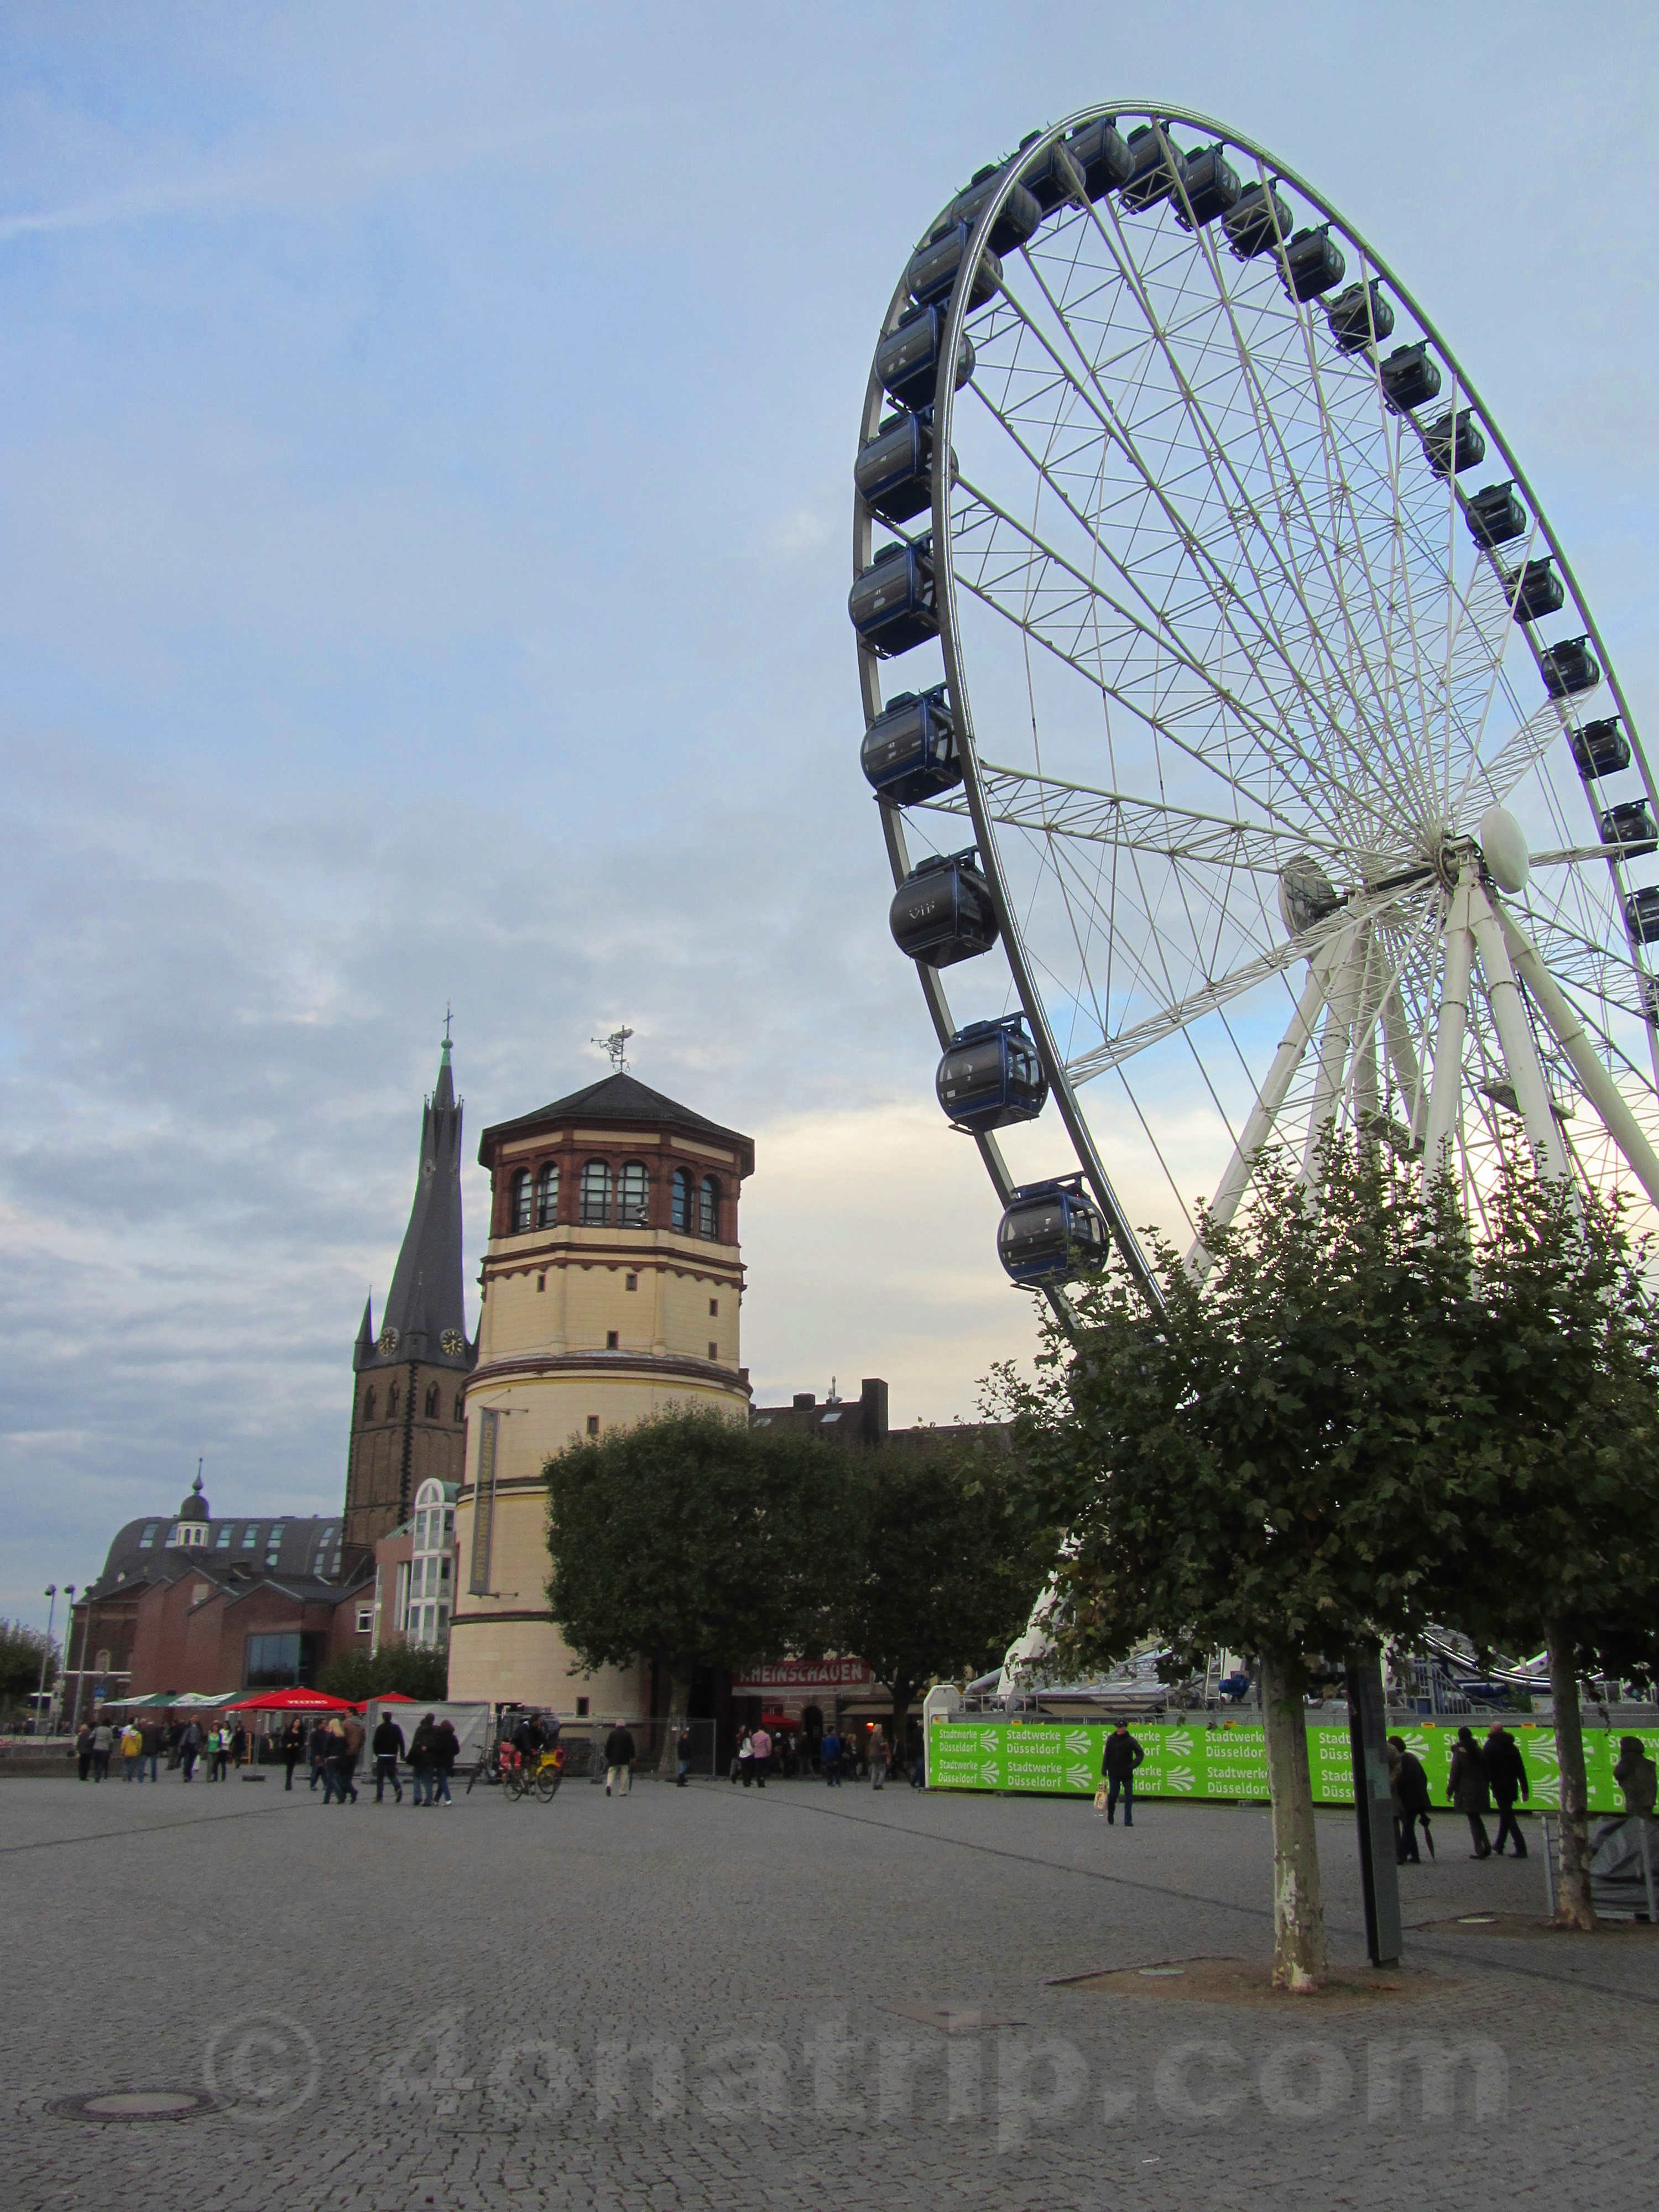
(425, 1315)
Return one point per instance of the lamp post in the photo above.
(50, 1594)
(79, 1672)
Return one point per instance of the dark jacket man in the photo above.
(1122, 1755)
(388, 1739)
(619, 1748)
(1506, 1772)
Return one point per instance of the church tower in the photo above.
(408, 1416)
(611, 1292)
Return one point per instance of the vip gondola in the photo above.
(1568, 667)
(990, 1076)
(906, 360)
(1535, 590)
(1209, 188)
(1360, 317)
(1052, 1232)
(1054, 177)
(894, 471)
(910, 750)
(932, 276)
(1631, 825)
(1409, 379)
(1099, 153)
(1642, 915)
(1454, 443)
(1258, 222)
(1495, 516)
(1156, 166)
(1313, 264)
(1016, 219)
(891, 604)
(942, 912)
(1599, 748)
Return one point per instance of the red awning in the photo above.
(291, 1701)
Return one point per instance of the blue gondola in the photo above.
(1455, 443)
(1052, 1232)
(1156, 166)
(1410, 379)
(1054, 177)
(910, 750)
(990, 1076)
(1360, 316)
(1642, 915)
(930, 278)
(1258, 222)
(1631, 825)
(1599, 748)
(1099, 153)
(1212, 188)
(1495, 516)
(1535, 590)
(942, 912)
(1568, 667)
(906, 360)
(1313, 264)
(1019, 216)
(894, 473)
(891, 604)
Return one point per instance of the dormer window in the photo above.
(146, 1542)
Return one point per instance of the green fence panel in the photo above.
(1227, 1758)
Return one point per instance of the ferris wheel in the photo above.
(1248, 703)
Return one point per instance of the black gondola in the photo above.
(1258, 222)
(931, 275)
(1410, 379)
(990, 1076)
(910, 750)
(1099, 153)
(1455, 443)
(1017, 218)
(1568, 667)
(1052, 1232)
(1054, 177)
(1629, 824)
(942, 912)
(906, 360)
(1212, 187)
(1495, 516)
(894, 473)
(1155, 165)
(1536, 591)
(1642, 915)
(891, 604)
(1599, 748)
(1360, 316)
(1313, 264)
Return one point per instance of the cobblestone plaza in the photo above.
(720, 1998)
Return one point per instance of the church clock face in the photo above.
(454, 1342)
(388, 1340)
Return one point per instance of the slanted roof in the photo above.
(427, 1301)
(619, 1101)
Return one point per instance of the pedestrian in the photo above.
(175, 1733)
(1122, 1755)
(682, 1758)
(1506, 1775)
(149, 1735)
(83, 1748)
(103, 1742)
(388, 1749)
(762, 1741)
(294, 1750)
(1637, 1778)
(918, 1759)
(445, 1750)
(1408, 1793)
(221, 1753)
(190, 1745)
(317, 1745)
(743, 1764)
(132, 1745)
(239, 1743)
(1468, 1790)
(618, 1761)
(421, 1760)
(345, 1738)
(878, 1758)
(829, 1753)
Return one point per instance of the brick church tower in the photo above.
(408, 1416)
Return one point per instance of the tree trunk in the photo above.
(903, 1693)
(1573, 1908)
(1298, 1913)
(679, 1696)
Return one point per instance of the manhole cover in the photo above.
(1159, 1973)
(118, 2104)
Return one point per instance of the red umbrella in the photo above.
(291, 1701)
(392, 1698)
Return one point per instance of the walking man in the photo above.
(294, 1750)
(190, 1743)
(319, 1750)
(103, 1739)
(1469, 1790)
(445, 1750)
(682, 1758)
(1409, 1788)
(829, 1754)
(421, 1761)
(618, 1761)
(1506, 1772)
(388, 1748)
(151, 1755)
(878, 1758)
(132, 1745)
(1122, 1755)
(763, 1744)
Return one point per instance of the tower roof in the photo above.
(619, 1101)
(426, 1302)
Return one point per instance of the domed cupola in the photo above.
(195, 1507)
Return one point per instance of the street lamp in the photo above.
(50, 1593)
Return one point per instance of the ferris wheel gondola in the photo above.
(1301, 785)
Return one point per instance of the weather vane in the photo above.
(616, 1045)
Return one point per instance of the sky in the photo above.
(425, 448)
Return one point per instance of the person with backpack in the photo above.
(421, 1760)
(388, 1749)
(1506, 1772)
(1118, 1763)
(132, 1748)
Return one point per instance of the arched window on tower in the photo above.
(708, 1208)
(432, 1401)
(679, 1213)
(368, 1403)
(547, 1196)
(519, 1217)
(392, 1403)
(461, 1408)
(632, 1196)
(596, 1194)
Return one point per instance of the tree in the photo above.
(358, 1675)
(943, 1565)
(1271, 1461)
(691, 1540)
(1569, 1555)
(21, 1649)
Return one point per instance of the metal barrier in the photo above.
(1624, 1881)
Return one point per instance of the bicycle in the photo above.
(541, 1774)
